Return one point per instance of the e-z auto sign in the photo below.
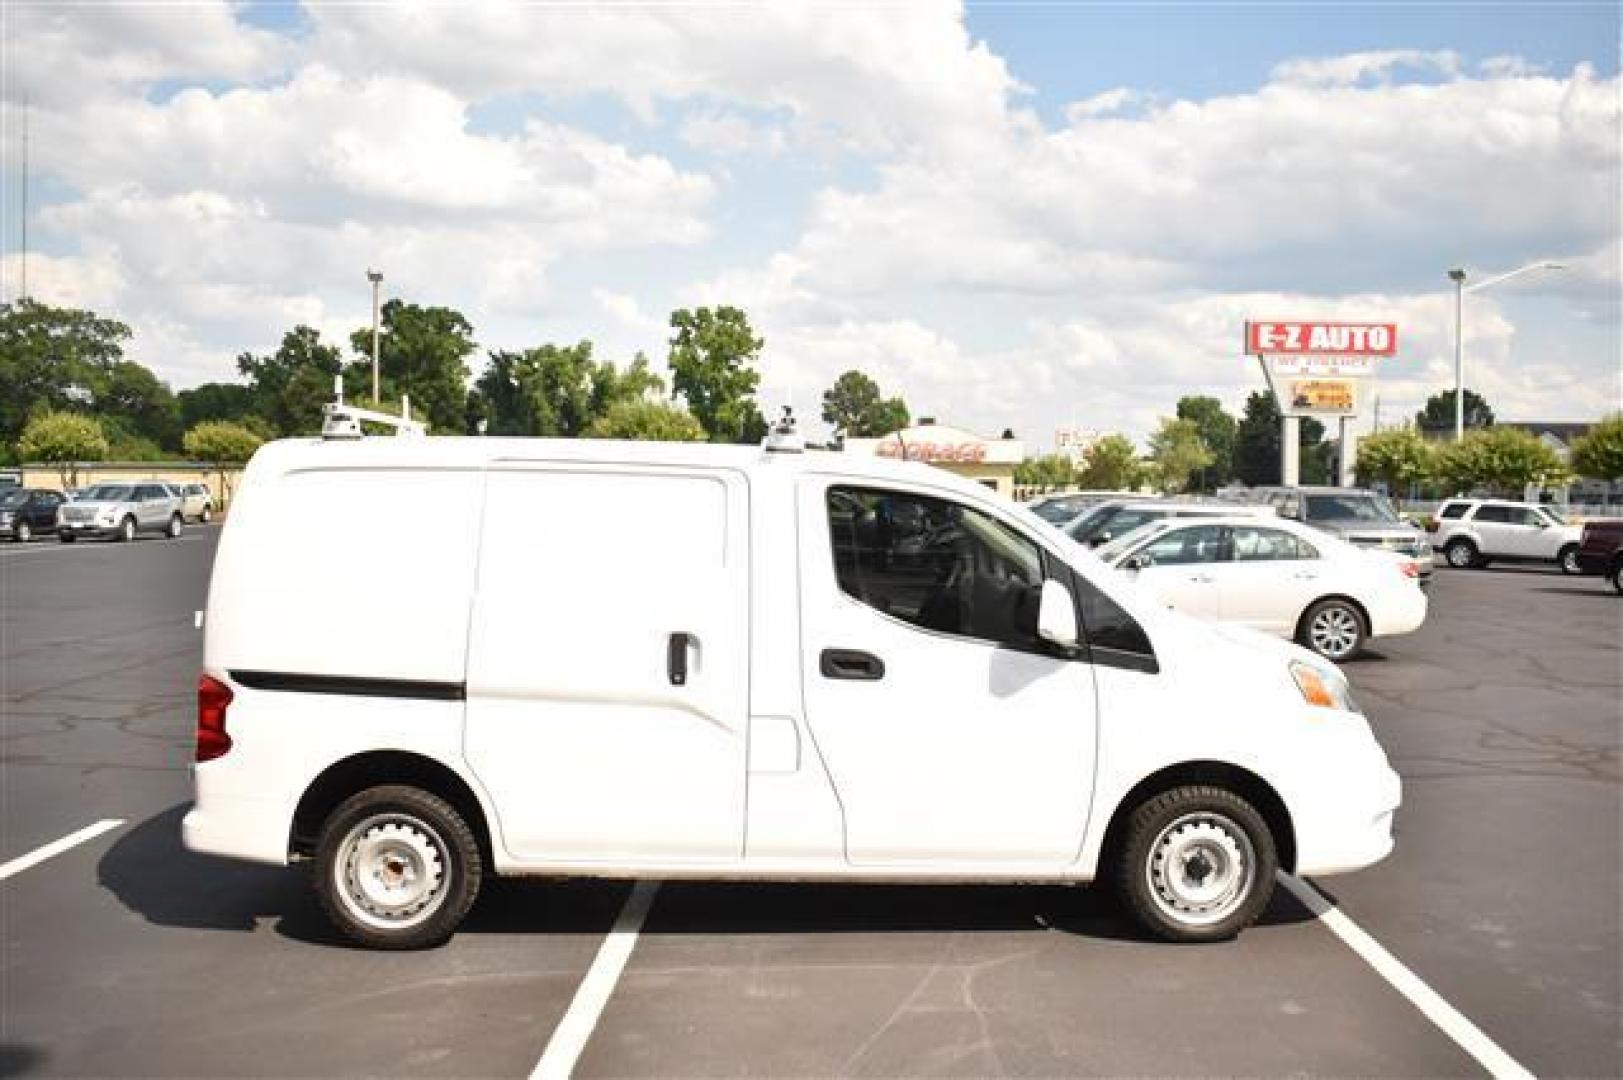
(1322, 339)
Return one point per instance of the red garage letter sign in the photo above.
(1323, 339)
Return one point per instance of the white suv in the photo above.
(1474, 532)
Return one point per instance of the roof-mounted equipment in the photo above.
(341, 421)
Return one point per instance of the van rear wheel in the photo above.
(1197, 864)
(397, 868)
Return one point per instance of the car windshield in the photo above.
(14, 497)
(1059, 511)
(108, 493)
(1552, 515)
(1350, 507)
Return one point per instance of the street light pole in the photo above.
(376, 278)
(1460, 289)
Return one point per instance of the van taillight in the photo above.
(213, 696)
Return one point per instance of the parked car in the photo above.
(1475, 532)
(196, 502)
(1357, 515)
(1600, 551)
(27, 511)
(1119, 517)
(120, 511)
(762, 691)
(1063, 507)
(1278, 576)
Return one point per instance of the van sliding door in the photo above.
(608, 661)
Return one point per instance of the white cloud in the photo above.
(1353, 68)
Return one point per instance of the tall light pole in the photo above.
(1457, 276)
(376, 278)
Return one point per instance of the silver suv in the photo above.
(1357, 515)
(120, 511)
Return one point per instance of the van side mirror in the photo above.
(1056, 616)
(1135, 562)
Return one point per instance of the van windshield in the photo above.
(1350, 507)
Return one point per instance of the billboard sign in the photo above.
(1322, 365)
(1321, 339)
(1322, 397)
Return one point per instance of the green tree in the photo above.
(128, 392)
(1218, 430)
(224, 445)
(656, 421)
(1397, 457)
(1598, 454)
(1111, 464)
(556, 390)
(1506, 460)
(289, 387)
(215, 401)
(421, 354)
(855, 407)
(1177, 452)
(50, 359)
(1438, 415)
(1257, 444)
(65, 440)
(1049, 471)
(712, 351)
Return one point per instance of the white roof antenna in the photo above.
(783, 439)
(340, 421)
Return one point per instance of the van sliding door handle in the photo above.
(851, 664)
(676, 657)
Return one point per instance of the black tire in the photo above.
(66, 538)
(1617, 576)
(1462, 554)
(1567, 559)
(23, 533)
(1173, 841)
(205, 515)
(406, 832)
(126, 531)
(175, 528)
(1335, 629)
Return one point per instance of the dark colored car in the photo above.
(1600, 551)
(25, 512)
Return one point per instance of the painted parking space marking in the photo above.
(569, 1039)
(1450, 1020)
(57, 847)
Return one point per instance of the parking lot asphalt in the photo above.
(127, 955)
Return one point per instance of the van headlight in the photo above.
(1324, 688)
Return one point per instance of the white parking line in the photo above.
(558, 1060)
(57, 847)
(1453, 1023)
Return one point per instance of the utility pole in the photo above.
(23, 294)
(376, 278)
(1458, 277)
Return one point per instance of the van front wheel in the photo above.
(397, 868)
(1197, 864)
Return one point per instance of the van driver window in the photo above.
(934, 563)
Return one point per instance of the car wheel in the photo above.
(204, 516)
(1617, 576)
(1461, 554)
(24, 532)
(1334, 629)
(397, 868)
(176, 527)
(126, 530)
(1197, 864)
(1569, 560)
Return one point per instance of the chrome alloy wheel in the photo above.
(1569, 561)
(1201, 868)
(1334, 632)
(391, 871)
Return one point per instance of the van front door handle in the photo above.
(676, 657)
(851, 664)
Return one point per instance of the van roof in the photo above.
(442, 451)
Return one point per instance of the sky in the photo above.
(1025, 216)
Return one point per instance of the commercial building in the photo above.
(975, 457)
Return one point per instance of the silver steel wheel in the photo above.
(1201, 868)
(391, 871)
(1334, 632)
(1569, 561)
(25, 532)
(127, 531)
(1460, 556)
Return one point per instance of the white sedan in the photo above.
(1276, 576)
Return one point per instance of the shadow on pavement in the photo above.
(17, 1059)
(1600, 588)
(152, 874)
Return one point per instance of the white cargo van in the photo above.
(570, 657)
